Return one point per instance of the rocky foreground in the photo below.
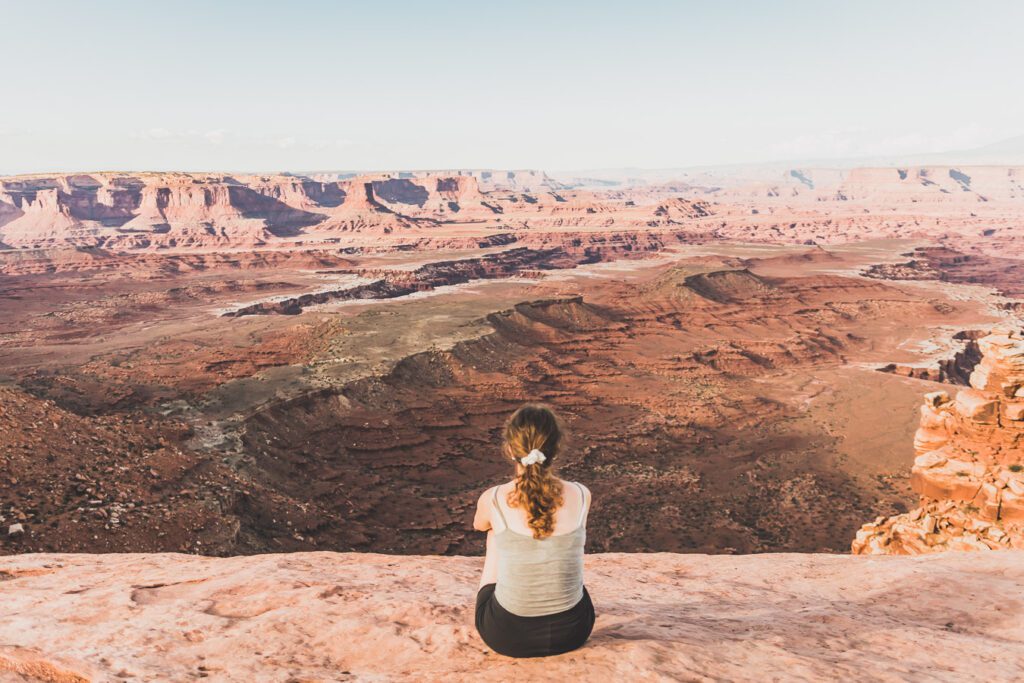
(328, 616)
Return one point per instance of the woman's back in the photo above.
(576, 500)
(532, 601)
(538, 577)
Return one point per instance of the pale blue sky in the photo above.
(303, 85)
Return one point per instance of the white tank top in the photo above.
(537, 577)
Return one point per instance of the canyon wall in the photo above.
(969, 469)
(191, 210)
(975, 208)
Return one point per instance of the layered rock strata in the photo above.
(969, 469)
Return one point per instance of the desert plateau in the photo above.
(240, 367)
(228, 364)
(459, 341)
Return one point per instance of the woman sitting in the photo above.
(532, 602)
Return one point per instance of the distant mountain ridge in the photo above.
(1007, 152)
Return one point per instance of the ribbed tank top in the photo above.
(537, 577)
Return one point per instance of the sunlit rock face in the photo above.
(969, 469)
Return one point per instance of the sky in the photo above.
(302, 85)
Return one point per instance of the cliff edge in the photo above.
(969, 469)
(359, 617)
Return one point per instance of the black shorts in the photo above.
(515, 636)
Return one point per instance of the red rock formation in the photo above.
(1005, 273)
(299, 192)
(133, 211)
(972, 208)
(969, 468)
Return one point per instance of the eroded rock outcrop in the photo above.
(969, 469)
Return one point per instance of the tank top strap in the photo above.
(583, 504)
(497, 506)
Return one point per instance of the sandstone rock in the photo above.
(365, 617)
(953, 480)
(969, 482)
(1011, 509)
(927, 439)
(989, 503)
(970, 542)
(976, 405)
(936, 399)
(1002, 364)
(15, 530)
(929, 460)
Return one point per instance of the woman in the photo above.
(532, 602)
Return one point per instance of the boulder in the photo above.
(976, 405)
(949, 480)
(929, 460)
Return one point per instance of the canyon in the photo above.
(275, 278)
(244, 419)
(230, 364)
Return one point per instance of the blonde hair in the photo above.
(535, 427)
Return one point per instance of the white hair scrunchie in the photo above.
(532, 458)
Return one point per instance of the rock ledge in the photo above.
(328, 616)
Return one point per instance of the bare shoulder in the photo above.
(485, 498)
(583, 488)
(482, 518)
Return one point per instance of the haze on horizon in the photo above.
(318, 85)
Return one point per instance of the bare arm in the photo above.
(482, 519)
